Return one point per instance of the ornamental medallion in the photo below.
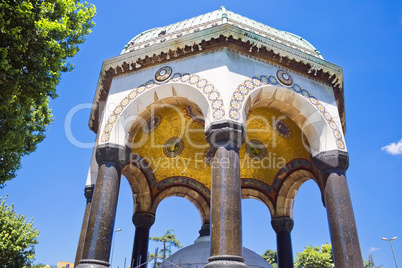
(173, 147)
(284, 77)
(163, 74)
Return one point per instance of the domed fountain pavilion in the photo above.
(214, 109)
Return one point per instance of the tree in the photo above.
(17, 238)
(315, 257)
(168, 240)
(271, 257)
(156, 262)
(37, 37)
(40, 265)
(370, 262)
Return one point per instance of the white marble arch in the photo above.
(283, 206)
(142, 196)
(188, 193)
(288, 190)
(149, 101)
(310, 120)
(250, 193)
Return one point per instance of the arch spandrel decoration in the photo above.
(273, 140)
(203, 85)
(249, 85)
(273, 149)
(169, 150)
(174, 145)
(155, 191)
(271, 136)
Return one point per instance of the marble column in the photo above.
(332, 166)
(98, 238)
(283, 226)
(88, 192)
(226, 241)
(142, 222)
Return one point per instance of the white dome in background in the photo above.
(197, 254)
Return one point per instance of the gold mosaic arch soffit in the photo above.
(285, 81)
(319, 69)
(203, 85)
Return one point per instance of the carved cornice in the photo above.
(222, 36)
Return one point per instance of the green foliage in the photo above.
(370, 262)
(271, 257)
(315, 257)
(40, 265)
(158, 257)
(37, 37)
(168, 240)
(17, 238)
(152, 256)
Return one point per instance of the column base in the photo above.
(222, 261)
(93, 264)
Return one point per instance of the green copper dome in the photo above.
(215, 18)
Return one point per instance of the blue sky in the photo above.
(364, 37)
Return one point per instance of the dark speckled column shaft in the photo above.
(98, 238)
(88, 192)
(226, 240)
(142, 222)
(342, 226)
(283, 226)
(332, 166)
(103, 210)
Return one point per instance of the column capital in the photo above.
(143, 219)
(112, 153)
(205, 230)
(88, 192)
(331, 160)
(282, 224)
(227, 134)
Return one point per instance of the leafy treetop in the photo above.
(17, 238)
(315, 257)
(37, 37)
(168, 240)
(271, 257)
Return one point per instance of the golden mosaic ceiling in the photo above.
(173, 144)
(280, 140)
